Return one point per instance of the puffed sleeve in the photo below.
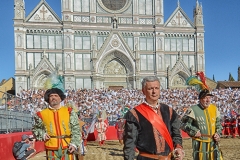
(75, 129)
(38, 129)
(187, 123)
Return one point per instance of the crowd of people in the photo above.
(151, 111)
(88, 101)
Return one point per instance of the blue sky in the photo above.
(222, 33)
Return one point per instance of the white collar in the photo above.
(153, 107)
(54, 108)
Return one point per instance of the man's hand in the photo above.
(46, 137)
(198, 134)
(216, 137)
(71, 149)
(178, 154)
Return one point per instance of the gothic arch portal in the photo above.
(119, 57)
(39, 80)
(116, 70)
(179, 80)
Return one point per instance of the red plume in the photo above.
(202, 77)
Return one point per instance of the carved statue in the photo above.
(114, 21)
(178, 81)
(192, 70)
(114, 68)
(136, 47)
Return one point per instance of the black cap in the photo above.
(204, 93)
(54, 90)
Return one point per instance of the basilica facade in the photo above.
(107, 43)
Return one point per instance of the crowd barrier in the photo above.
(7, 141)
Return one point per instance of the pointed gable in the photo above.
(115, 42)
(43, 13)
(180, 66)
(44, 66)
(179, 19)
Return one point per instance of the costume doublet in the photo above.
(207, 121)
(101, 128)
(141, 133)
(62, 126)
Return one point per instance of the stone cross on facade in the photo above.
(43, 11)
(178, 17)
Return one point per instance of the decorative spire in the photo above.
(198, 10)
(178, 3)
(19, 9)
(198, 15)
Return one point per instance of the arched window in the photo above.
(160, 62)
(201, 63)
(19, 60)
(68, 61)
(159, 44)
(67, 42)
(19, 41)
(200, 45)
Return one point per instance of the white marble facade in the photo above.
(104, 43)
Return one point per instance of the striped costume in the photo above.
(63, 127)
(207, 121)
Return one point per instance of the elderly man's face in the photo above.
(54, 100)
(152, 91)
(205, 101)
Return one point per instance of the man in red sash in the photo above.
(152, 127)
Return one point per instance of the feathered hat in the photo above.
(200, 84)
(54, 84)
(54, 81)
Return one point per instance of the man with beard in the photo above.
(202, 123)
(58, 127)
(153, 128)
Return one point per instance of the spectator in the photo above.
(89, 100)
(27, 149)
